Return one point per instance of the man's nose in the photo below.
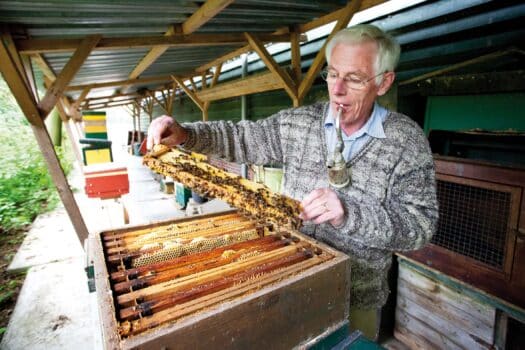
(339, 87)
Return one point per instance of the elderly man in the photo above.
(390, 203)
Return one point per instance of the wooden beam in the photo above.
(33, 46)
(303, 28)
(66, 120)
(190, 93)
(152, 55)
(320, 59)
(244, 86)
(213, 83)
(103, 104)
(7, 39)
(44, 66)
(81, 98)
(28, 70)
(26, 102)
(336, 15)
(287, 82)
(67, 73)
(128, 82)
(207, 11)
(295, 49)
(88, 100)
(18, 87)
(193, 86)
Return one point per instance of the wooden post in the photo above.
(25, 99)
(73, 139)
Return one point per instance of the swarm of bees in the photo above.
(252, 199)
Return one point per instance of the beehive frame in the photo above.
(282, 314)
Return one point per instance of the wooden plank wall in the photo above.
(431, 315)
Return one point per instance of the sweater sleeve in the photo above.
(406, 219)
(243, 142)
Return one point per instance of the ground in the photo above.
(10, 284)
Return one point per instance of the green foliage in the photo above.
(26, 188)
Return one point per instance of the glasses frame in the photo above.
(362, 83)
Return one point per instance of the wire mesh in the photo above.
(473, 221)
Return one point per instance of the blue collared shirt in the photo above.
(353, 143)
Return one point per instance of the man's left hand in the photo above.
(322, 205)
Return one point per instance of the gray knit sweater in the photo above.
(390, 206)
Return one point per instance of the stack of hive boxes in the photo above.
(97, 147)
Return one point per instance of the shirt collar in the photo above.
(372, 127)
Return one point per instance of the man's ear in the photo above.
(388, 80)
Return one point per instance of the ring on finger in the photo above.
(325, 207)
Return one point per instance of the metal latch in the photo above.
(90, 272)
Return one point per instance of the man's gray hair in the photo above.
(388, 49)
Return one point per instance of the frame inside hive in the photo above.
(178, 278)
(207, 260)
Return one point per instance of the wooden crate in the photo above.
(434, 315)
(282, 315)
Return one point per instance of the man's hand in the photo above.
(167, 131)
(322, 205)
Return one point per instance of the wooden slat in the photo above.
(333, 16)
(44, 66)
(258, 46)
(28, 70)
(7, 39)
(18, 87)
(81, 98)
(336, 15)
(66, 120)
(152, 55)
(320, 58)
(128, 82)
(107, 97)
(190, 93)
(28, 106)
(213, 83)
(296, 55)
(206, 12)
(245, 86)
(445, 308)
(33, 46)
(67, 73)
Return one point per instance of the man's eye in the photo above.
(353, 80)
(332, 75)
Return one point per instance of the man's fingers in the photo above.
(312, 196)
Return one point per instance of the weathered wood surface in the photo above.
(278, 310)
(432, 315)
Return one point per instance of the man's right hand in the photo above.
(167, 131)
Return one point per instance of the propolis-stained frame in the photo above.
(280, 315)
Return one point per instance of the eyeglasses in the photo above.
(352, 81)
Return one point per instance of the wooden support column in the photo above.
(349, 10)
(138, 104)
(27, 103)
(73, 138)
(212, 84)
(296, 60)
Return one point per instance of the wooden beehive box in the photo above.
(279, 311)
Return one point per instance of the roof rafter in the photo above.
(33, 46)
(68, 72)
